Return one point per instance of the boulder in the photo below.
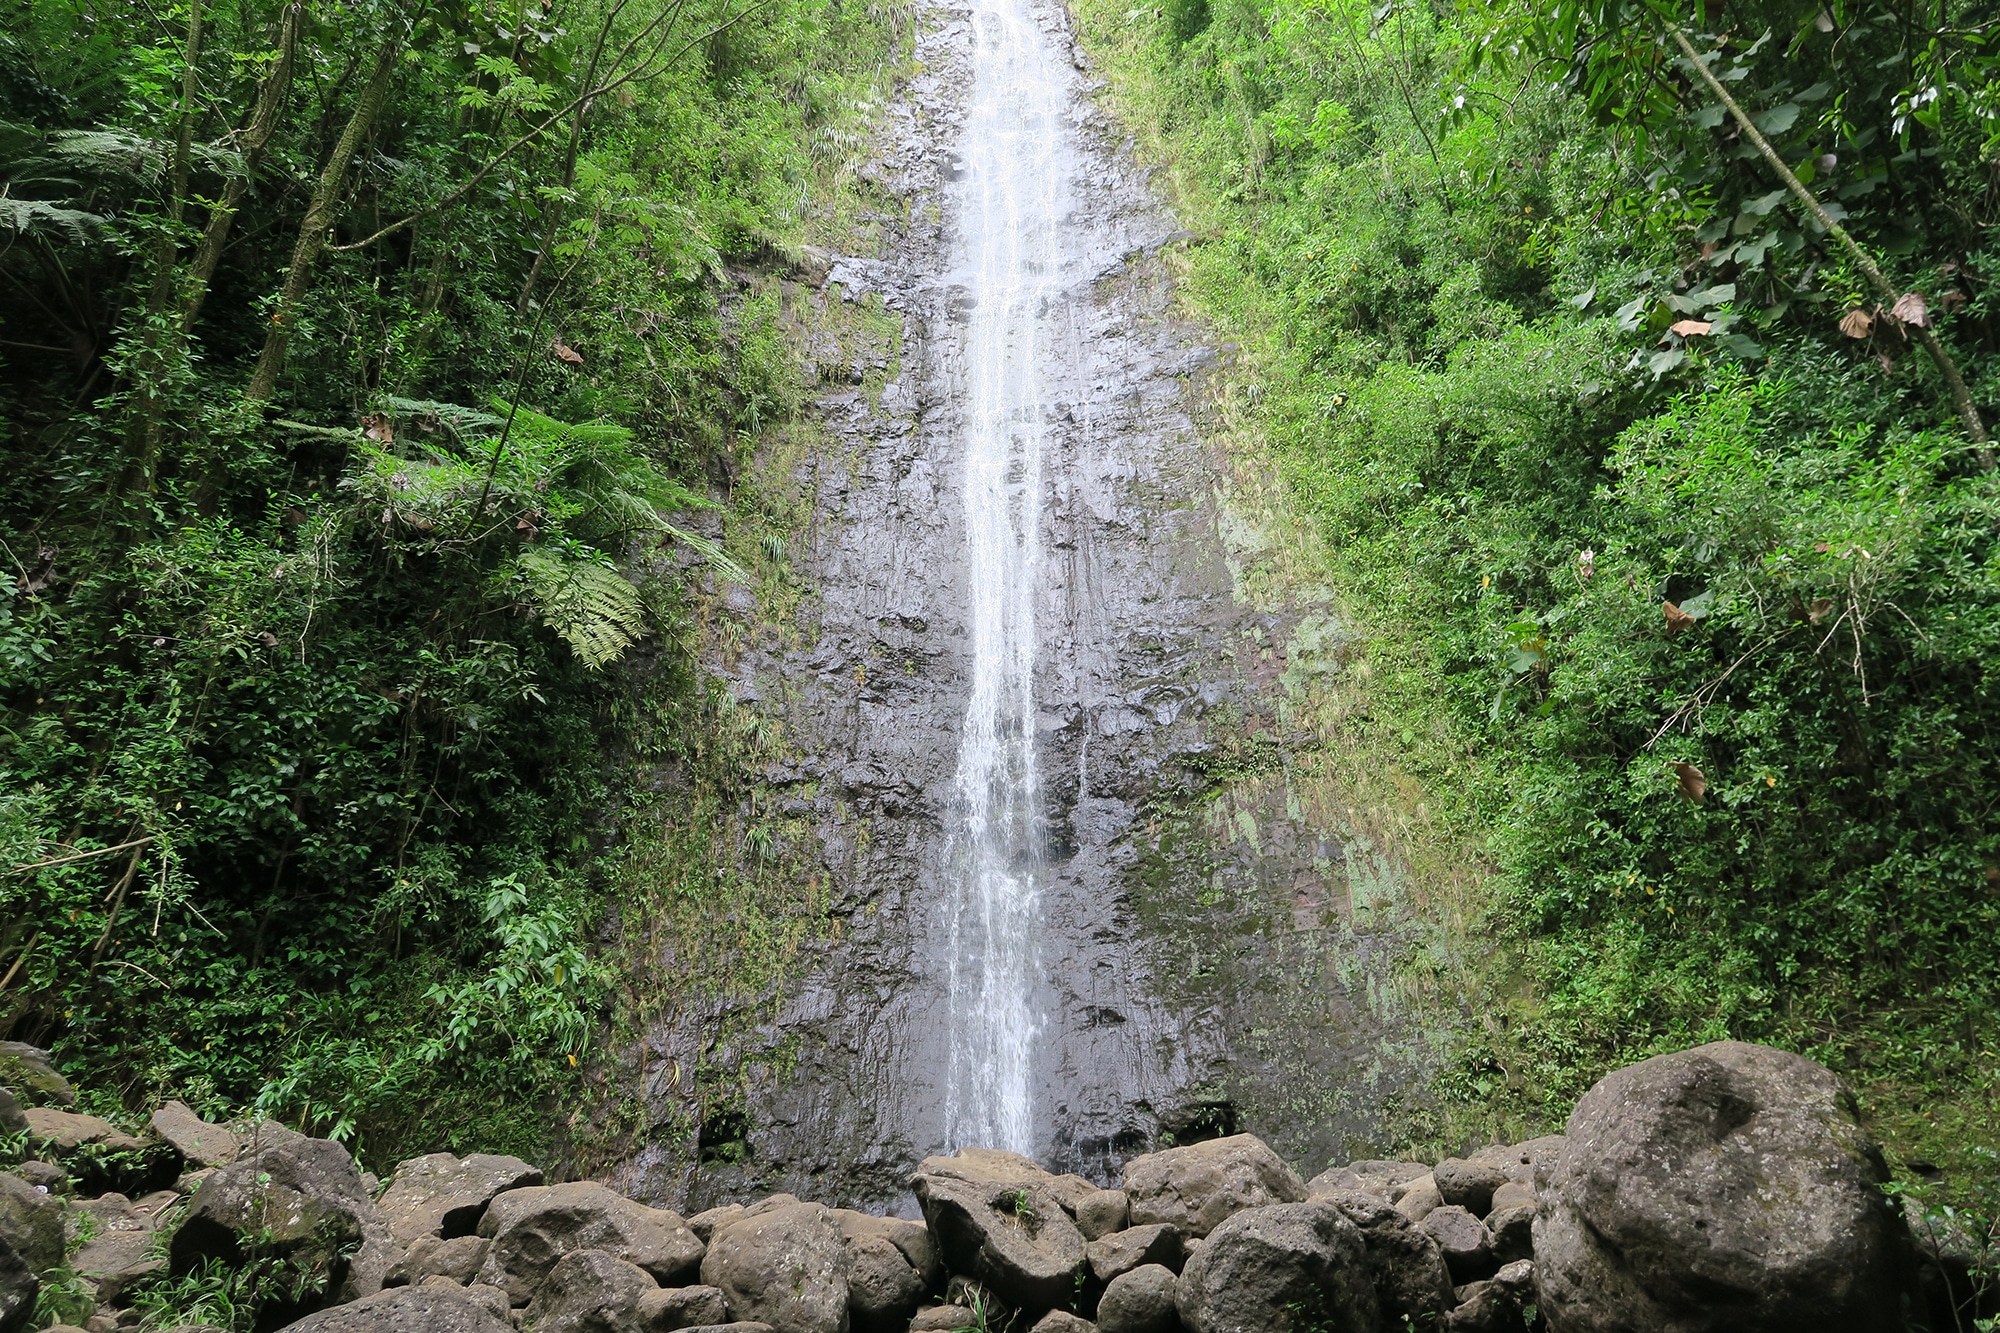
(27, 1072)
(1468, 1185)
(589, 1291)
(941, 1318)
(18, 1289)
(705, 1224)
(1513, 1232)
(890, 1265)
(428, 1309)
(1062, 1321)
(1139, 1301)
(1726, 1187)
(459, 1259)
(1463, 1240)
(492, 1298)
(445, 1196)
(784, 1266)
(1282, 1268)
(1122, 1251)
(13, 1118)
(43, 1175)
(288, 1196)
(533, 1227)
(1496, 1305)
(1002, 1226)
(69, 1130)
(1409, 1273)
(674, 1308)
(741, 1326)
(1418, 1197)
(1388, 1179)
(1521, 1160)
(120, 1251)
(201, 1143)
(1199, 1186)
(1101, 1212)
(1513, 1194)
(31, 1222)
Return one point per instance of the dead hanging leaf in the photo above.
(268, 639)
(1950, 299)
(1911, 308)
(1888, 364)
(1820, 609)
(1677, 619)
(43, 574)
(1690, 328)
(1692, 784)
(565, 353)
(1857, 323)
(378, 428)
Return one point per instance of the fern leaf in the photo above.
(592, 608)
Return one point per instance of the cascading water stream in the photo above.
(1010, 245)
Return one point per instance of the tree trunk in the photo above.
(319, 220)
(263, 123)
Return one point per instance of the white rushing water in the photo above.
(1014, 159)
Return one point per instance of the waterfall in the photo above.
(1014, 163)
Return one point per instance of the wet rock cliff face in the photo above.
(1206, 966)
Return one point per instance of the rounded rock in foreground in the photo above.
(1141, 1301)
(1286, 1268)
(1721, 1188)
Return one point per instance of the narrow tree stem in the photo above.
(320, 216)
(1961, 397)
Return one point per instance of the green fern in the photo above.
(593, 607)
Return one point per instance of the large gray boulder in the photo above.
(1722, 1188)
(459, 1259)
(29, 1073)
(681, 1307)
(532, 1228)
(18, 1289)
(997, 1218)
(1199, 1186)
(1122, 1251)
(1469, 1184)
(31, 1221)
(1283, 1268)
(1404, 1263)
(1139, 1301)
(445, 1196)
(13, 1117)
(890, 1265)
(589, 1291)
(427, 1309)
(200, 1142)
(1463, 1240)
(288, 1195)
(783, 1266)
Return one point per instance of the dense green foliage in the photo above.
(310, 660)
(1682, 594)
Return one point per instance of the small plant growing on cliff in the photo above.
(1020, 1204)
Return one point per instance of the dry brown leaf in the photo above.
(1690, 328)
(564, 352)
(1693, 785)
(1857, 323)
(378, 428)
(1819, 610)
(1911, 308)
(1950, 299)
(1888, 363)
(1677, 619)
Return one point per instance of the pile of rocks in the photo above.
(1727, 1187)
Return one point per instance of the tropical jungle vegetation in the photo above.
(367, 371)
(1630, 363)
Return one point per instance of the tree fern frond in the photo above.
(26, 215)
(594, 609)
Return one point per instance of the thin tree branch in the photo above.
(1961, 397)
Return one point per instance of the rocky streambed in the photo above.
(1729, 1187)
